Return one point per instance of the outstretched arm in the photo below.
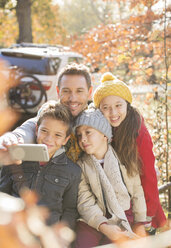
(27, 131)
(23, 134)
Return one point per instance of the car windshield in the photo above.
(33, 65)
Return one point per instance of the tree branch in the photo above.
(96, 12)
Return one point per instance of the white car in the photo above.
(42, 62)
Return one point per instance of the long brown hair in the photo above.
(124, 140)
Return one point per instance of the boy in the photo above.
(103, 197)
(55, 182)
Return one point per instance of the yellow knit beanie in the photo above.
(110, 85)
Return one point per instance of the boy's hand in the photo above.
(113, 232)
(6, 141)
(139, 229)
(9, 139)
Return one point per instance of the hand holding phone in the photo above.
(29, 152)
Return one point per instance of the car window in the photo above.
(33, 65)
(54, 65)
(75, 59)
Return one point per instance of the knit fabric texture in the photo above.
(114, 207)
(94, 118)
(110, 85)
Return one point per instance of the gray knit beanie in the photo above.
(94, 118)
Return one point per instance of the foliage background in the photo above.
(130, 38)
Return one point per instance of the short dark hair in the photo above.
(57, 111)
(75, 69)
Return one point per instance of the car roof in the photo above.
(40, 51)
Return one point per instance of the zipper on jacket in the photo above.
(37, 177)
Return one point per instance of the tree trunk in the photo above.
(23, 13)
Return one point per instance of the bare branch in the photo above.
(96, 12)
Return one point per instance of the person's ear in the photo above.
(36, 129)
(57, 89)
(90, 92)
(66, 140)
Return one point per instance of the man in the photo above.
(74, 90)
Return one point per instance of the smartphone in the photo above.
(29, 152)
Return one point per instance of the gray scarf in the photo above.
(115, 192)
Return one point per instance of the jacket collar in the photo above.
(59, 151)
(59, 157)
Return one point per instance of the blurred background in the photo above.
(130, 38)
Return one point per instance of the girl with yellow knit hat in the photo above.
(131, 140)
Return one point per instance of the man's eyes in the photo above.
(68, 91)
(65, 91)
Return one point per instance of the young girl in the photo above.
(131, 140)
(105, 190)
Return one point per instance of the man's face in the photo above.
(74, 93)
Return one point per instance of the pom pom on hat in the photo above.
(111, 86)
(107, 77)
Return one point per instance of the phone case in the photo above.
(29, 152)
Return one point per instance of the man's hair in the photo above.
(75, 69)
(57, 111)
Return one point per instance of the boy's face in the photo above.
(74, 93)
(92, 141)
(52, 133)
